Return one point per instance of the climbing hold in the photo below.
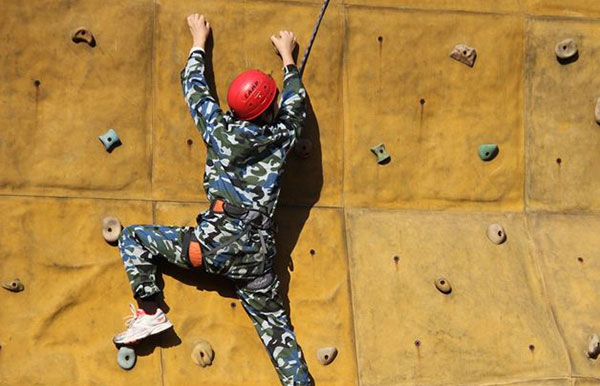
(566, 51)
(13, 285)
(110, 140)
(303, 147)
(597, 111)
(382, 155)
(593, 346)
(202, 353)
(488, 151)
(82, 35)
(443, 285)
(496, 234)
(111, 229)
(126, 358)
(464, 54)
(326, 355)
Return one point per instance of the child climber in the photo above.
(246, 152)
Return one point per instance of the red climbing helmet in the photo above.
(250, 94)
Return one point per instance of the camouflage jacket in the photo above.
(244, 166)
(244, 162)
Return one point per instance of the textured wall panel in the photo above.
(241, 32)
(496, 309)
(568, 246)
(560, 112)
(59, 330)
(571, 8)
(317, 293)
(460, 5)
(433, 146)
(48, 140)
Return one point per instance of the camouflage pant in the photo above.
(142, 245)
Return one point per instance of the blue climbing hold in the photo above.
(110, 140)
(488, 151)
(126, 358)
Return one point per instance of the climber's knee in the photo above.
(260, 282)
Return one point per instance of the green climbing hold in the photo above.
(488, 151)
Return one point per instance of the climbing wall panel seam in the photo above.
(549, 303)
(351, 294)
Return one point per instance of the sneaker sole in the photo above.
(136, 338)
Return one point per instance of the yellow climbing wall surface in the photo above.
(361, 245)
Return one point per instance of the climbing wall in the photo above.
(385, 254)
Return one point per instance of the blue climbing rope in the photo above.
(314, 35)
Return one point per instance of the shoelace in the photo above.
(131, 318)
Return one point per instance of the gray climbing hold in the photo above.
(496, 234)
(464, 54)
(13, 285)
(82, 35)
(303, 148)
(443, 285)
(126, 358)
(326, 355)
(382, 155)
(111, 229)
(488, 151)
(566, 49)
(202, 353)
(110, 140)
(593, 346)
(597, 111)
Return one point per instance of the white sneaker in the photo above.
(140, 325)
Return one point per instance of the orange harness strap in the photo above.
(195, 254)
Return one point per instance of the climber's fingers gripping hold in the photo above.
(199, 29)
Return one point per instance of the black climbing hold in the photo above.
(396, 259)
(37, 83)
(580, 259)
(417, 343)
(190, 142)
(380, 39)
(422, 101)
(558, 161)
(313, 252)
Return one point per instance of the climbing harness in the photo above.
(312, 38)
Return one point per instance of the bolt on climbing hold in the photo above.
(13, 285)
(82, 35)
(110, 140)
(111, 229)
(382, 155)
(464, 54)
(566, 51)
(202, 353)
(326, 355)
(126, 358)
(488, 151)
(443, 285)
(597, 111)
(303, 148)
(496, 234)
(593, 346)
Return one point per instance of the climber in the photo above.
(246, 152)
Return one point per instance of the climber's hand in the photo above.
(285, 44)
(199, 28)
